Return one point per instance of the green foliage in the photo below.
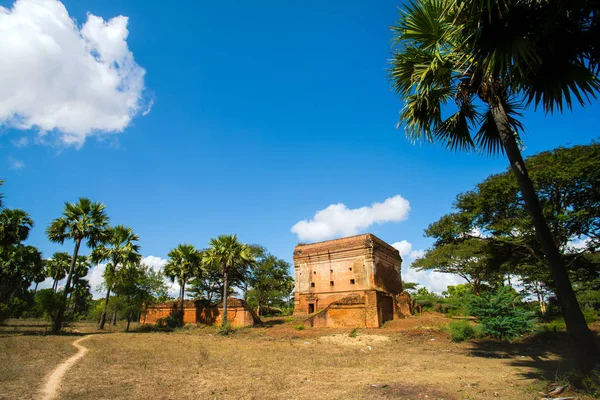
(270, 283)
(51, 304)
(4, 312)
(225, 329)
(556, 325)
(501, 314)
(461, 331)
(590, 315)
(170, 322)
(300, 327)
(353, 333)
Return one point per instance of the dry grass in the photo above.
(416, 361)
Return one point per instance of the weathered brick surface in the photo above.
(329, 272)
(202, 312)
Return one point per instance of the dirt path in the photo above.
(50, 389)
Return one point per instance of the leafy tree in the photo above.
(270, 282)
(20, 264)
(120, 248)
(137, 285)
(84, 220)
(208, 285)
(184, 262)
(229, 255)
(488, 57)
(469, 259)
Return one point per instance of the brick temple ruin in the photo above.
(202, 312)
(351, 282)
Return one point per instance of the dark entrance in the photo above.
(311, 308)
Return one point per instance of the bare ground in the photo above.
(416, 360)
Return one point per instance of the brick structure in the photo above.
(202, 312)
(353, 281)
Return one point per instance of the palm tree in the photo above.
(228, 253)
(492, 58)
(57, 267)
(120, 249)
(185, 261)
(15, 225)
(84, 220)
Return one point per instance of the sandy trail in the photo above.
(50, 389)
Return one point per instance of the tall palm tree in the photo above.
(84, 220)
(185, 262)
(57, 267)
(120, 249)
(228, 253)
(490, 59)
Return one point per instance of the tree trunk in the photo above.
(128, 322)
(35, 288)
(114, 318)
(582, 341)
(181, 305)
(103, 316)
(225, 273)
(57, 326)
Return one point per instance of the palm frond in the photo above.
(456, 130)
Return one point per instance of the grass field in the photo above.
(407, 359)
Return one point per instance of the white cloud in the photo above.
(415, 254)
(433, 281)
(404, 247)
(339, 220)
(57, 76)
(15, 164)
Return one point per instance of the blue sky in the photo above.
(258, 115)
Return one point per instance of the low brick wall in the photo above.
(202, 312)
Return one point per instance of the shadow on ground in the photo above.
(545, 355)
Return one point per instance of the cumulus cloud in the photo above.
(63, 78)
(339, 220)
(433, 281)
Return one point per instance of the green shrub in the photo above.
(300, 327)
(590, 315)
(501, 315)
(461, 331)
(353, 333)
(556, 325)
(4, 312)
(225, 329)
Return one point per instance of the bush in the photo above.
(556, 325)
(353, 333)
(50, 304)
(300, 327)
(590, 315)
(4, 312)
(461, 331)
(225, 329)
(501, 314)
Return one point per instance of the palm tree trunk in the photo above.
(57, 326)
(225, 273)
(181, 305)
(584, 349)
(103, 316)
